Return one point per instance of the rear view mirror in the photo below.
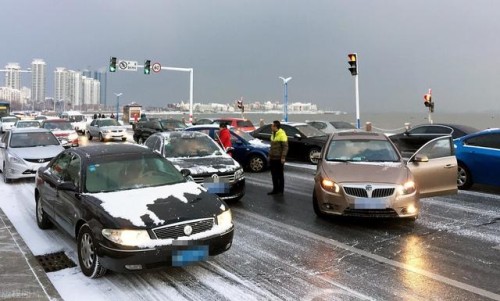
(420, 158)
(185, 173)
(68, 186)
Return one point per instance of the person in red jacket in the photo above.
(225, 137)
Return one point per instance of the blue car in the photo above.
(478, 157)
(251, 153)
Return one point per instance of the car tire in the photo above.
(256, 163)
(87, 254)
(310, 155)
(42, 220)
(464, 178)
(89, 136)
(101, 138)
(316, 208)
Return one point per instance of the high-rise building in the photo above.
(61, 84)
(12, 76)
(38, 80)
(102, 77)
(74, 92)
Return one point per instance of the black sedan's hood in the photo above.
(206, 165)
(156, 206)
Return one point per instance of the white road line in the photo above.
(422, 272)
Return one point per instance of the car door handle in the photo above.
(449, 165)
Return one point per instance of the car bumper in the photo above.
(162, 256)
(109, 136)
(232, 191)
(20, 171)
(400, 206)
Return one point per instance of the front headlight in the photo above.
(127, 237)
(330, 185)
(15, 159)
(225, 219)
(406, 188)
(238, 174)
(106, 131)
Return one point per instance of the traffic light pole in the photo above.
(358, 122)
(190, 70)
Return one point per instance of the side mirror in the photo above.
(68, 186)
(185, 172)
(298, 136)
(420, 158)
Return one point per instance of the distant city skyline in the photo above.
(241, 48)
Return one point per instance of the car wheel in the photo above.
(42, 219)
(464, 178)
(316, 208)
(101, 138)
(256, 163)
(311, 155)
(89, 136)
(87, 254)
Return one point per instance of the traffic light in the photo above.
(112, 64)
(240, 104)
(147, 67)
(428, 102)
(353, 63)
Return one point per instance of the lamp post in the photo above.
(117, 103)
(285, 107)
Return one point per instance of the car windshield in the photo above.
(123, 173)
(20, 140)
(76, 118)
(108, 122)
(342, 125)
(58, 126)
(244, 135)
(27, 124)
(191, 146)
(362, 150)
(309, 131)
(9, 119)
(172, 124)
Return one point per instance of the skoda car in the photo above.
(129, 209)
(250, 152)
(24, 150)
(478, 157)
(363, 174)
(206, 162)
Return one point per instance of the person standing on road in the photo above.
(225, 137)
(277, 155)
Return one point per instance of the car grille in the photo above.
(370, 212)
(177, 230)
(363, 193)
(40, 160)
(211, 178)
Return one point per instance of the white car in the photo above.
(23, 151)
(7, 122)
(27, 124)
(77, 119)
(106, 129)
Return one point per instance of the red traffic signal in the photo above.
(427, 99)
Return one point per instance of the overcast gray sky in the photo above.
(239, 48)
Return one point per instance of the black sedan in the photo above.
(130, 209)
(304, 141)
(411, 140)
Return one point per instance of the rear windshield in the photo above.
(244, 124)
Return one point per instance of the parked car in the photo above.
(236, 123)
(63, 130)
(27, 123)
(106, 129)
(206, 161)
(478, 156)
(7, 122)
(411, 140)
(24, 150)
(144, 129)
(77, 119)
(130, 209)
(304, 141)
(329, 127)
(363, 174)
(250, 152)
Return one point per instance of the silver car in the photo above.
(106, 129)
(24, 150)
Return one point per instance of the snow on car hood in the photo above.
(206, 165)
(259, 143)
(372, 172)
(37, 152)
(112, 202)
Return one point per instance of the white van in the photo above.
(77, 119)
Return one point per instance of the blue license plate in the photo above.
(217, 187)
(188, 256)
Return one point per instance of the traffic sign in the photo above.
(127, 65)
(156, 67)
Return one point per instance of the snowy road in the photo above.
(281, 251)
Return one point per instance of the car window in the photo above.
(151, 142)
(318, 125)
(243, 135)
(73, 171)
(437, 129)
(107, 122)
(244, 123)
(361, 150)
(58, 167)
(191, 146)
(266, 129)
(308, 131)
(290, 131)
(342, 125)
(437, 149)
(486, 140)
(418, 130)
(58, 126)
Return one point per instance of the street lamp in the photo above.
(285, 108)
(117, 103)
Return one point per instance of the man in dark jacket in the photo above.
(277, 155)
